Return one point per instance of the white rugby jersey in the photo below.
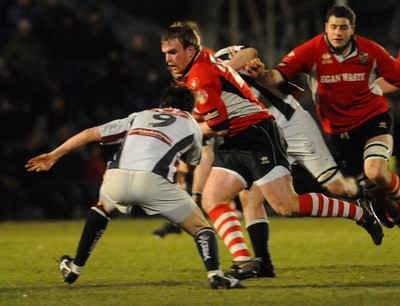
(282, 107)
(154, 140)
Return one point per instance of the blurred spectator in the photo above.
(60, 30)
(100, 41)
(94, 167)
(19, 10)
(143, 72)
(26, 65)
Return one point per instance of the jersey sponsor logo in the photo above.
(326, 59)
(346, 77)
(264, 160)
(197, 116)
(201, 96)
(151, 133)
(212, 114)
(194, 83)
(363, 58)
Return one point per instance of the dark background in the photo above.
(69, 65)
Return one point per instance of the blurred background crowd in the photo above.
(69, 65)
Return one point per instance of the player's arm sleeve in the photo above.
(388, 67)
(297, 61)
(212, 108)
(115, 131)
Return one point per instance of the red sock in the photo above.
(318, 205)
(229, 228)
(393, 191)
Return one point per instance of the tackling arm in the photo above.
(209, 132)
(45, 161)
(269, 78)
(240, 58)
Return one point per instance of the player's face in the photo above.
(176, 57)
(339, 32)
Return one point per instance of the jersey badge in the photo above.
(194, 83)
(201, 96)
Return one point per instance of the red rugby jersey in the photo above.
(222, 97)
(343, 89)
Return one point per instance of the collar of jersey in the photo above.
(186, 72)
(352, 53)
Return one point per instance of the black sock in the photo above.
(259, 236)
(206, 242)
(95, 226)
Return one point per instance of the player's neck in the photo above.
(345, 50)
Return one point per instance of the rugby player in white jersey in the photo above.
(142, 173)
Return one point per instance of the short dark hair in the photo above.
(184, 33)
(342, 11)
(180, 97)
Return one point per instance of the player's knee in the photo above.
(208, 202)
(288, 208)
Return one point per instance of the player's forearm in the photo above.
(270, 78)
(266, 77)
(386, 87)
(209, 132)
(77, 141)
(240, 59)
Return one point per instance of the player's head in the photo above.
(342, 11)
(179, 97)
(185, 33)
(339, 27)
(180, 44)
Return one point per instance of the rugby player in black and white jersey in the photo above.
(142, 173)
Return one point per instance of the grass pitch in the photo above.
(317, 261)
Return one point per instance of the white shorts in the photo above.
(121, 189)
(306, 145)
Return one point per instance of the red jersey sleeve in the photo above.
(300, 59)
(387, 66)
(207, 90)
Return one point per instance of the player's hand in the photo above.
(40, 163)
(255, 68)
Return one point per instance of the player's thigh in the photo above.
(221, 186)
(307, 146)
(252, 203)
(157, 196)
(281, 195)
(115, 191)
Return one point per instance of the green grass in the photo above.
(318, 262)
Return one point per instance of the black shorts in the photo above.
(254, 152)
(350, 146)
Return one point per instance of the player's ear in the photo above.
(191, 50)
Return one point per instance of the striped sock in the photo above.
(393, 191)
(229, 228)
(319, 205)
